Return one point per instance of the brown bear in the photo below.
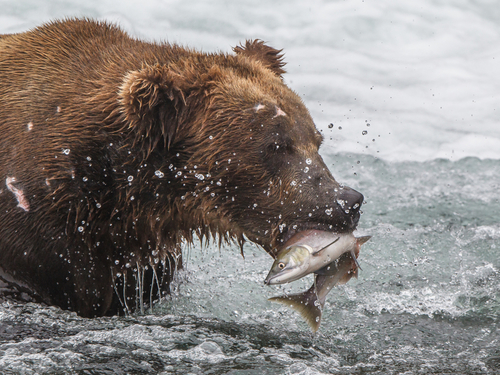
(115, 152)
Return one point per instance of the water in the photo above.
(426, 301)
(422, 81)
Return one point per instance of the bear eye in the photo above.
(280, 146)
(281, 265)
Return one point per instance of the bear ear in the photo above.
(270, 57)
(152, 100)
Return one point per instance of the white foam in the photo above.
(422, 301)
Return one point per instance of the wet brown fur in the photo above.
(126, 149)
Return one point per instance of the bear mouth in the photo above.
(302, 228)
(348, 226)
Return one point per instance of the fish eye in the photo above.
(281, 265)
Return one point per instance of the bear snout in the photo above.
(350, 201)
(337, 209)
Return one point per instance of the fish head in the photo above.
(291, 264)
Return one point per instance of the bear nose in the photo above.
(350, 200)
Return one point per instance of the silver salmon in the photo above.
(308, 252)
(311, 302)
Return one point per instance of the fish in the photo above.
(309, 252)
(311, 302)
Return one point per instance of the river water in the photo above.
(411, 93)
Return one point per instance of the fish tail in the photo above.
(361, 240)
(354, 253)
(306, 303)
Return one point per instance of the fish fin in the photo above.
(344, 279)
(306, 304)
(355, 259)
(362, 240)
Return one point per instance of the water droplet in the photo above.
(89, 158)
(66, 151)
(306, 169)
(159, 174)
(199, 176)
(364, 132)
(211, 137)
(80, 229)
(98, 205)
(330, 126)
(130, 178)
(293, 183)
(85, 179)
(308, 161)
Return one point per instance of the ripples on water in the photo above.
(427, 299)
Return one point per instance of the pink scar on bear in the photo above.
(258, 107)
(279, 112)
(22, 202)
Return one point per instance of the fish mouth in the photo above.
(271, 280)
(289, 276)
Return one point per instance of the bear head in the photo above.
(232, 151)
